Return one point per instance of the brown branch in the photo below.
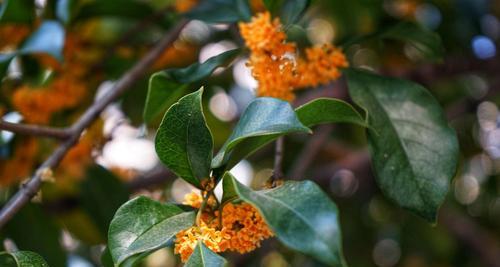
(35, 130)
(30, 189)
(156, 177)
(278, 159)
(310, 150)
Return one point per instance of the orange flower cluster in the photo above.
(180, 54)
(182, 6)
(242, 229)
(20, 164)
(275, 64)
(38, 104)
(79, 57)
(12, 35)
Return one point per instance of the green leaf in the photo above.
(165, 87)
(289, 11)
(31, 229)
(264, 120)
(106, 259)
(299, 213)
(141, 226)
(221, 11)
(204, 257)
(413, 149)
(328, 110)
(17, 11)
(95, 188)
(130, 9)
(292, 10)
(184, 142)
(424, 40)
(22, 259)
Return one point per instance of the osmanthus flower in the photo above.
(241, 228)
(19, 166)
(37, 104)
(276, 65)
(11, 35)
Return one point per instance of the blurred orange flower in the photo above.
(275, 64)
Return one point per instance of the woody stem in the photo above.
(278, 160)
(202, 207)
(31, 188)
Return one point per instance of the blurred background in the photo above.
(116, 158)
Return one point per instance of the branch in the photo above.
(30, 189)
(35, 130)
(278, 160)
(310, 150)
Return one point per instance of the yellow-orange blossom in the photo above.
(243, 228)
(276, 65)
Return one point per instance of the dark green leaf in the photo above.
(292, 10)
(328, 110)
(184, 142)
(141, 226)
(32, 230)
(299, 213)
(264, 120)
(427, 42)
(123, 8)
(96, 188)
(221, 11)
(22, 259)
(106, 259)
(414, 151)
(165, 87)
(289, 11)
(17, 11)
(204, 257)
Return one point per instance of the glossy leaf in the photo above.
(328, 110)
(143, 225)
(414, 151)
(264, 120)
(292, 10)
(422, 39)
(289, 11)
(95, 188)
(165, 87)
(17, 11)
(221, 11)
(184, 142)
(300, 214)
(204, 257)
(22, 259)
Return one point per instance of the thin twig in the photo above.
(30, 189)
(35, 130)
(310, 150)
(278, 159)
